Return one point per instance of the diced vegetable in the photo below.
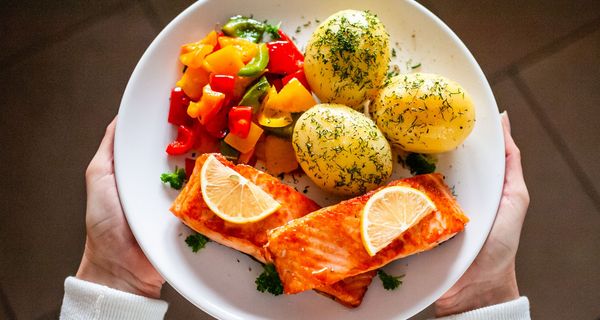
(247, 158)
(192, 54)
(255, 94)
(195, 58)
(229, 152)
(257, 64)
(222, 83)
(279, 155)
(192, 82)
(189, 166)
(217, 127)
(240, 119)
(293, 97)
(205, 142)
(299, 74)
(208, 106)
(227, 60)
(268, 117)
(259, 149)
(244, 27)
(245, 144)
(183, 143)
(284, 57)
(247, 49)
(178, 103)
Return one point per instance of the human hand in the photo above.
(491, 278)
(112, 257)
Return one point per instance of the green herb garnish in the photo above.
(175, 179)
(196, 241)
(419, 163)
(269, 281)
(389, 282)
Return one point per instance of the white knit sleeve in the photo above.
(86, 301)
(512, 310)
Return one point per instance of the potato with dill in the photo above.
(341, 150)
(346, 57)
(424, 113)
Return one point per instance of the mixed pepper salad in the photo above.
(238, 92)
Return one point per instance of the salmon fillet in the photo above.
(325, 246)
(250, 238)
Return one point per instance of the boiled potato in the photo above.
(424, 113)
(346, 57)
(341, 150)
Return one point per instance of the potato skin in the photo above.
(341, 150)
(346, 57)
(424, 113)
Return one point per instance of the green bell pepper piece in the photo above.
(244, 27)
(257, 64)
(255, 94)
(287, 131)
(228, 151)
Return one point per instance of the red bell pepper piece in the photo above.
(222, 83)
(283, 36)
(189, 166)
(184, 142)
(178, 104)
(240, 119)
(204, 142)
(284, 57)
(218, 46)
(299, 74)
(217, 126)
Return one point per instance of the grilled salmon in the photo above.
(250, 238)
(325, 246)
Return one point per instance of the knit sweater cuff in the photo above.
(512, 310)
(86, 300)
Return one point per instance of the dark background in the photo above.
(64, 66)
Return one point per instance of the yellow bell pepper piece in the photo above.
(208, 106)
(293, 97)
(248, 49)
(268, 117)
(192, 82)
(247, 144)
(226, 60)
(195, 57)
(211, 38)
(192, 54)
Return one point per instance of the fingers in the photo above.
(514, 182)
(102, 162)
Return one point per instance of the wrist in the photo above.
(114, 277)
(479, 294)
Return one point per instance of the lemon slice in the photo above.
(389, 213)
(231, 196)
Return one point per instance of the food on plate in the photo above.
(349, 291)
(325, 246)
(341, 150)
(231, 196)
(246, 95)
(239, 85)
(424, 113)
(279, 156)
(389, 213)
(250, 238)
(346, 57)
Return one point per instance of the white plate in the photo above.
(220, 280)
